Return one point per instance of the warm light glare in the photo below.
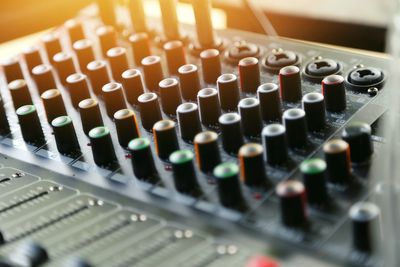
(185, 13)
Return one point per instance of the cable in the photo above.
(261, 17)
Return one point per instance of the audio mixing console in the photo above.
(185, 146)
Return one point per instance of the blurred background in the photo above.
(352, 23)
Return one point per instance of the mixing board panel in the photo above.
(84, 194)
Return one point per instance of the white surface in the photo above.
(370, 12)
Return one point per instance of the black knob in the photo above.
(249, 72)
(52, 45)
(365, 217)
(165, 138)
(207, 151)
(296, 128)
(126, 125)
(102, 146)
(4, 125)
(175, 54)
(142, 160)
(292, 196)
(44, 78)
(228, 92)
(107, 37)
(314, 172)
(252, 166)
(132, 82)
(30, 124)
(275, 143)
(140, 43)
(270, 103)
(249, 110)
(30, 253)
(229, 191)
(170, 95)
(64, 65)
(190, 82)
(12, 69)
(337, 157)
(210, 65)
(75, 30)
(185, 178)
(153, 73)
(334, 92)
(78, 89)
(118, 62)
(98, 75)
(358, 136)
(290, 83)
(64, 133)
(20, 93)
(53, 104)
(231, 131)
(314, 107)
(114, 99)
(90, 114)
(188, 120)
(149, 110)
(84, 52)
(210, 110)
(32, 57)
